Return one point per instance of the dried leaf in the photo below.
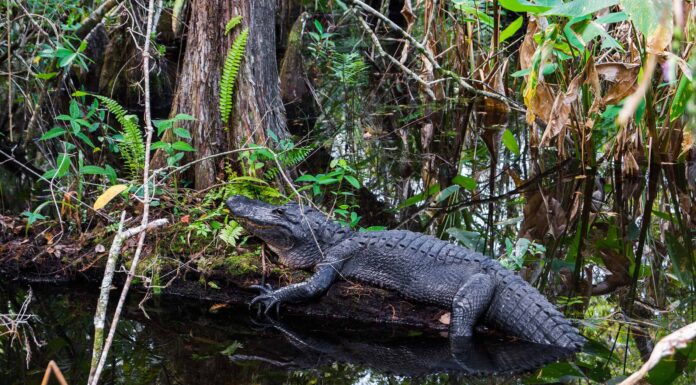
(528, 46)
(108, 195)
(688, 141)
(216, 307)
(494, 111)
(560, 112)
(623, 77)
(541, 104)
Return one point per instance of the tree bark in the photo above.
(257, 97)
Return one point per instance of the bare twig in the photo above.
(102, 304)
(428, 55)
(95, 18)
(366, 28)
(146, 193)
(9, 70)
(53, 368)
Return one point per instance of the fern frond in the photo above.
(288, 159)
(229, 73)
(133, 147)
(232, 23)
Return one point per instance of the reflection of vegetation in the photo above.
(176, 345)
(542, 133)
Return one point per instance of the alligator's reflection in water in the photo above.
(405, 355)
(183, 342)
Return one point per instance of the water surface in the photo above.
(180, 341)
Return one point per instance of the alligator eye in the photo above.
(279, 211)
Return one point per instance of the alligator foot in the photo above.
(267, 300)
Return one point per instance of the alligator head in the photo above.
(298, 234)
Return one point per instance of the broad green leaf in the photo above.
(67, 60)
(434, 189)
(326, 180)
(160, 145)
(182, 146)
(63, 165)
(614, 17)
(681, 98)
(110, 173)
(272, 135)
(93, 170)
(647, 15)
(510, 142)
(373, 228)
(520, 73)
(353, 182)
(85, 139)
(481, 15)
(53, 133)
(446, 193)
(511, 29)
(465, 181)
(469, 239)
(183, 117)
(46, 76)
(523, 6)
(75, 109)
(578, 8)
(108, 195)
(162, 125)
(306, 178)
(182, 133)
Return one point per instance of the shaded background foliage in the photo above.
(556, 136)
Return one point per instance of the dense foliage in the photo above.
(556, 136)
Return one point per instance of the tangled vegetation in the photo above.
(555, 136)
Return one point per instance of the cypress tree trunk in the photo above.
(258, 106)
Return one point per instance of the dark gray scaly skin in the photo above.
(422, 268)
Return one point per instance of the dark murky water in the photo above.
(185, 343)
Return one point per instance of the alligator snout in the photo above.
(239, 204)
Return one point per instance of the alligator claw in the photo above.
(265, 288)
(267, 300)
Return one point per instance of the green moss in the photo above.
(246, 263)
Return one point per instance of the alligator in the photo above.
(476, 289)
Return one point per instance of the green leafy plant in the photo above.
(175, 151)
(231, 69)
(67, 54)
(132, 147)
(35, 215)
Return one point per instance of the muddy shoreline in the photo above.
(32, 260)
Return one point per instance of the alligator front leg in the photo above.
(325, 275)
(470, 302)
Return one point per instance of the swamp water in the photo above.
(181, 341)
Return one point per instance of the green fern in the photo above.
(350, 69)
(229, 73)
(232, 23)
(133, 147)
(288, 159)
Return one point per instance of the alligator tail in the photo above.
(519, 309)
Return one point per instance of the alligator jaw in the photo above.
(262, 220)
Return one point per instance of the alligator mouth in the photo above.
(246, 222)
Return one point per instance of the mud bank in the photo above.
(32, 259)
